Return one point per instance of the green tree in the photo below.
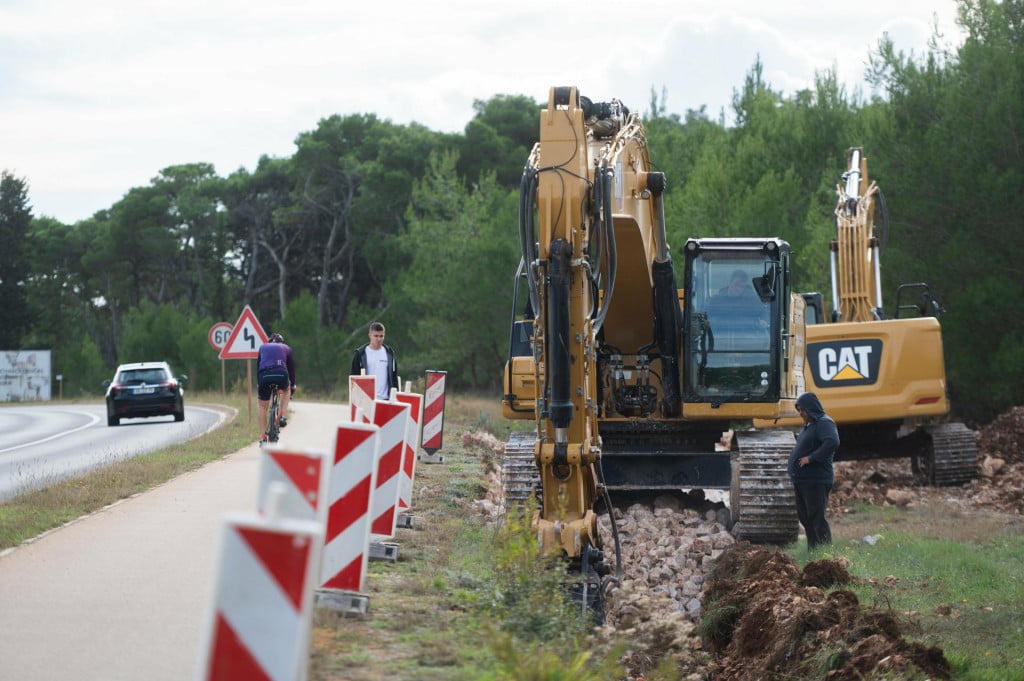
(81, 367)
(151, 332)
(452, 301)
(199, 360)
(321, 356)
(499, 138)
(196, 225)
(353, 176)
(953, 164)
(251, 201)
(15, 218)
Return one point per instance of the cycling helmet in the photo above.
(276, 338)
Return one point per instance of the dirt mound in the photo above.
(889, 482)
(765, 617)
(1004, 437)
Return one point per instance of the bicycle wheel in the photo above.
(273, 431)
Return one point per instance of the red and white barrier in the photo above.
(259, 625)
(433, 411)
(412, 443)
(304, 483)
(391, 417)
(362, 392)
(352, 476)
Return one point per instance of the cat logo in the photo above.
(836, 364)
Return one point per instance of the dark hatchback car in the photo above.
(145, 389)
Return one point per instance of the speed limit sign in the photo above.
(219, 334)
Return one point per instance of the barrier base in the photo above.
(383, 551)
(430, 458)
(345, 602)
(409, 522)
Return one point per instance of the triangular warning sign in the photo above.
(246, 337)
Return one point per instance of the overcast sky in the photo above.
(97, 97)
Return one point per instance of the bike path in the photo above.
(121, 594)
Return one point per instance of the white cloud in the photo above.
(96, 98)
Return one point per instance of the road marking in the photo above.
(94, 420)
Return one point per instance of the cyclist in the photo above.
(275, 366)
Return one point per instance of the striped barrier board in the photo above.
(412, 442)
(362, 392)
(259, 625)
(433, 414)
(304, 482)
(352, 476)
(391, 418)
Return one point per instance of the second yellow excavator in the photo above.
(882, 379)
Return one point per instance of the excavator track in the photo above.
(520, 480)
(949, 457)
(761, 498)
(761, 495)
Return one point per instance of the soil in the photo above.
(999, 486)
(769, 615)
(762, 616)
(771, 619)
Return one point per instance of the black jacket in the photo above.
(819, 440)
(359, 365)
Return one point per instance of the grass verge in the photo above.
(467, 599)
(954, 578)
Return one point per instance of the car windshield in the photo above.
(141, 376)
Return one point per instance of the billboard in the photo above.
(24, 375)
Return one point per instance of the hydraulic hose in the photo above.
(527, 240)
(606, 176)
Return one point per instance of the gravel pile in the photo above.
(665, 552)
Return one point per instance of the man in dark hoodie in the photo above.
(810, 468)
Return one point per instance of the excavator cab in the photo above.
(734, 350)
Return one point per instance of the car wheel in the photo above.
(179, 415)
(113, 420)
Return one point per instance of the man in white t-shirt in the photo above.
(377, 359)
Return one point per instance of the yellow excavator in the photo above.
(632, 381)
(882, 379)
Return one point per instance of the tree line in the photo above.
(372, 220)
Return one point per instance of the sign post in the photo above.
(244, 343)
(218, 337)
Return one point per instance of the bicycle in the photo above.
(273, 429)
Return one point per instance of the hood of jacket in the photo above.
(810, 403)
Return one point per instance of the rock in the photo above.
(899, 497)
(991, 466)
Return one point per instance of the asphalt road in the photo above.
(122, 594)
(43, 444)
